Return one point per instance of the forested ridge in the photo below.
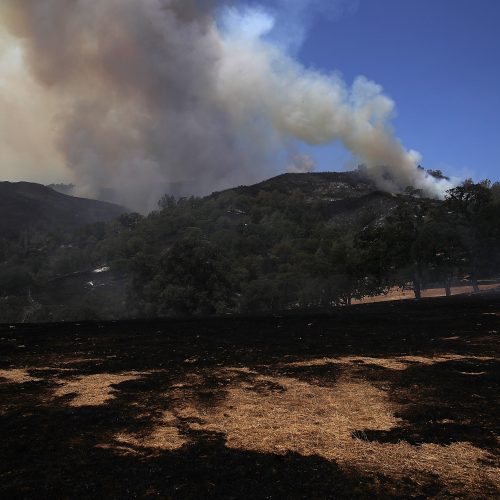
(295, 242)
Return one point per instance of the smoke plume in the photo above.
(143, 97)
(301, 164)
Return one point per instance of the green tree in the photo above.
(404, 244)
(194, 277)
(470, 204)
(444, 254)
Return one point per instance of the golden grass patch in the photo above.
(79, 361)
(391, 363)
(397, 363)
(281, 414)
(443, 359)
(329, 422)
(165, 436)
(93, 390)
(396, 293)
(17, 376)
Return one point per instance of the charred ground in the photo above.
(383, 400)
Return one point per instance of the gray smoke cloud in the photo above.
(301, 164)
(186, 96)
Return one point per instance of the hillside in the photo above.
(315, 185)
(294, 242)
(29, 206)
(344, 197)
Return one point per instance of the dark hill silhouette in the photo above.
(347, 196)
(317, 185)
(27, 206)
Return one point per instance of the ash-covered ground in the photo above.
(391, 400)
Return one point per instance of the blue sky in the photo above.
(439, 60)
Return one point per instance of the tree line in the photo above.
(271, 251)
(280, 251)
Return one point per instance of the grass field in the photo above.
(398, 294)
(389, 400)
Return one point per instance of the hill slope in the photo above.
(295, 241)
(29, 206)
(346, 197)
(327, 186)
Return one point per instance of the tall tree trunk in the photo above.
(447, 286)
(417, 282)
(474, 266)
(473, 276)
(417, 288)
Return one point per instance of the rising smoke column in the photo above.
(138, 111)
(190, 96)
(313, 107)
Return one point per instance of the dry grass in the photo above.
(396, 363)
(165, 437)
(93, 390)
(278, 414)
(79, 361)
(398, 294)
(17, 376)
(282, 414)
(442, 359)
(391, 363)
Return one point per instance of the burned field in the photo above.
(389, 400)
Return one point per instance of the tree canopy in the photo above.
(256, 251)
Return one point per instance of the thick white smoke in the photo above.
(27, 140)
(153, 96)
(301, 164)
